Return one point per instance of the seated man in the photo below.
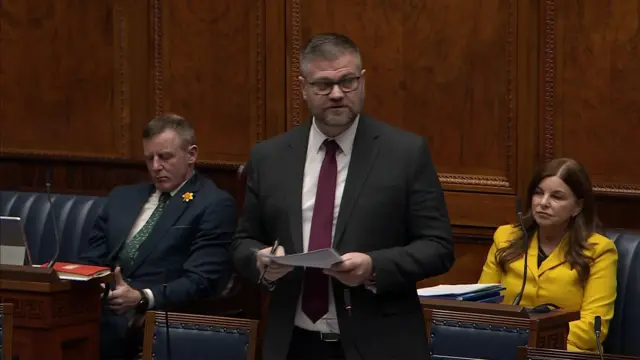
(175, 230)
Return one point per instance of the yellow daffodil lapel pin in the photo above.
(188, 196)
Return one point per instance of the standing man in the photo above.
(368, 190)
(174, 230)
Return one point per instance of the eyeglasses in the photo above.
(324, 87)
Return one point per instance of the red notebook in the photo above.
(69, 271)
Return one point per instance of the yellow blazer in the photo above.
(555, 282)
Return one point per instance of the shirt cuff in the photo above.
(270, 285)
(370, 284)
(149, 294)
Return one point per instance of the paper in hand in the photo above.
(321, 259)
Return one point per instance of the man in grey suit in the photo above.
(366, 189)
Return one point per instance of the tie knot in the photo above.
(330, 147)
(164, 197)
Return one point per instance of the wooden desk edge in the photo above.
(57, 286)
(551, 319)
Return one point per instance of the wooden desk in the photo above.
(59, 318)
(7, 330)
(545, 330)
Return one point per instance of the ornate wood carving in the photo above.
(27, 309)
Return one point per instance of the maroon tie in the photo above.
(315, 294)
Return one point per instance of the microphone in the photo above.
(347, 301)
(56, 234)
(166, 314)
(597, 325)
(347, 306)
(516, 300)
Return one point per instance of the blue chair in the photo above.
(476, 338)
(622, 338)
(75, 215)
(199, 337)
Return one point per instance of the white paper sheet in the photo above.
(322, 259)
(441, 290)
(12, 255)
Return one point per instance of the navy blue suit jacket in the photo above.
(187, 248)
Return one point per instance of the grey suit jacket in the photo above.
(392, 208)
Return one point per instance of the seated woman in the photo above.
(568, 264)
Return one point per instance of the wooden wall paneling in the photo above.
(590, 91)
(91, 177)
(140, 72)
(275, 69)
(471, 254)
(209, 63)
(73, 87)
(86, 89)
(528, 74)
(50, 52)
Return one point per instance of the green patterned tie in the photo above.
(130, 250)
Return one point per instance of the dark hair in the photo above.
(581, 227)
(328, 46)
(173, 122)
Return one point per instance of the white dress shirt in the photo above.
(315, 157)
(143, 217)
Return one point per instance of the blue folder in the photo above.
(478, 296)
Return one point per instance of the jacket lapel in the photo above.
(294, 169)
(532, 257)
(174, 208)
(556, 258)
(363, 155)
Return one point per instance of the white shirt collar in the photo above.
(178, 188)
(345, 140)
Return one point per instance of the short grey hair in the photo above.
(328, 46)
(173, 122)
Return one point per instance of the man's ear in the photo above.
(192, 154)
(301, 81)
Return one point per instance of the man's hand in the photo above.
(354, 269)
(123, 297)
(273, 271)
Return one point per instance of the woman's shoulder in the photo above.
(505, 234)
(599, 245)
